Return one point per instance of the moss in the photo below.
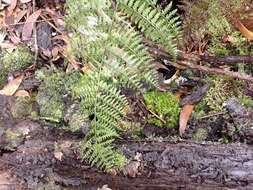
(20, 58)
(165, 108)
(134, 129)
(79, 122)
(201, 108)
(200, 135)
(22, 107)
(11, 135)
(221, 90)
(53, 91)
(50, 94)
(246, 100)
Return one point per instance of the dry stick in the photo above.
(35, 36)
(216, 71)
(191, 61)
(222, 60)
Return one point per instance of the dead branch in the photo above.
(190, 61)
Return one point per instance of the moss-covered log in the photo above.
(35, 156)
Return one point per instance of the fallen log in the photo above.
(35, 155)
(49, 158)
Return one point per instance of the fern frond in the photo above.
(105, 102)
(104, 39)
(158, 26)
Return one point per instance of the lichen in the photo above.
(19, 59)
(164, 108)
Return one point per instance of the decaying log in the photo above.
(49, 157)
(34, 155)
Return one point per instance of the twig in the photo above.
(154, 114)
(191, 61)
(35, 37)
(216, 71)
(222, 60)
(52, 25)
(212, 115)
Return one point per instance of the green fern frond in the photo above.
(159, 26)
(103, 101)
(103, 38)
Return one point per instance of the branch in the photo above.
(191, 61)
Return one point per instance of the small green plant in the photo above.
(19, 59)
(105, 40)
(164, 108)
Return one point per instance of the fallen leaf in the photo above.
(58, 155)
(12, 86)
(7, 45)
(131, 169)
(12, 6)
(22, 93)
(242, 28)
(105, 187)
(28, 27)
(184, 117)
(15, 39)
(196, 96)
(86, 68)
(25, 1)
(20, 15)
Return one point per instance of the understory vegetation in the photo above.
(113, 83)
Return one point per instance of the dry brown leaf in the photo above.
(20, 15)
(12, 6)
(15, 39)
(242, 28)
(28, 27)
(22, 93)
(245, 32)
(7, 45)
(12, 86)
(184, 117)
(25, 1)
(86, 68)
(66, 51)
(105, 187)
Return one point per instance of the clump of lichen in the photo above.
(164, 108)
(19, 59)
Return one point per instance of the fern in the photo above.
(103, 38)
(161, 26)
(104, 101)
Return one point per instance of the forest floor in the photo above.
(209, 151)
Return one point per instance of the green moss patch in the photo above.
(164, 108)
(19, 59)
